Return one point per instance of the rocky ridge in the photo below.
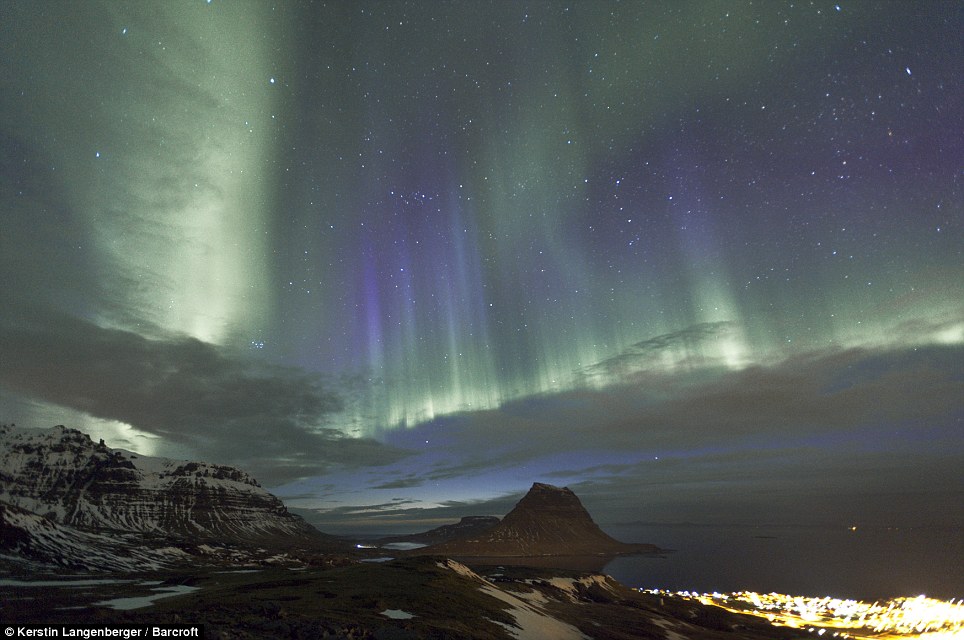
(63, 494)
(467, 527)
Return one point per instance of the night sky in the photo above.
(699, 261)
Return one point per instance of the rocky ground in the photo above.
(426, 597)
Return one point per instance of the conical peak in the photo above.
(546, 498)
(548, 520)
(541, 487)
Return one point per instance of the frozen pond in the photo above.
(402, 546)
(137, 602)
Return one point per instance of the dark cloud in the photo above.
(815, 393)
(683, 345)
(268, 419)
(409, 515)
(441, 471)
(902, 486)
(405, 515)
(825, 435)
(410, 480)
(391, 507)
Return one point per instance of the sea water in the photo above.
(858, 563)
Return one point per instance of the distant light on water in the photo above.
(919, 617)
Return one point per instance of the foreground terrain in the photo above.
(425, 597)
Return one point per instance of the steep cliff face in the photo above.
(81, 488)
(63, 475)
(34, 540)
(547, 521)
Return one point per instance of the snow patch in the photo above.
(531, 622)
(667, 626)
(126, 604)
(532, 597)
(568, 585)
(461, 569)
(397, 614)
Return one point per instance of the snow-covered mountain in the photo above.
(58, 484)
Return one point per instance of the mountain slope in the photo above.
(467, 527)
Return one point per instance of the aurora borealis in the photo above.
(701, 260)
